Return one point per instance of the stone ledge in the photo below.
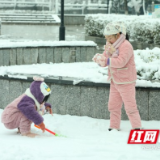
(84, 99)
(45, 54)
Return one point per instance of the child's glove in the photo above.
(109, 48)
(42, 126)
(49, 109)
(95, 57)
(101, 60)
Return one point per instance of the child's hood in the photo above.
(39, 89)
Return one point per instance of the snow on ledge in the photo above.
(76, 72)
(30, 43)
(56, 18)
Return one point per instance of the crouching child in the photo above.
(28, 108)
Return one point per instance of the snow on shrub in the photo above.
(140, 28)
(147, 64)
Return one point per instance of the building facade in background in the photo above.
(139, 7)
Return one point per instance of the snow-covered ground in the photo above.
(86, 139)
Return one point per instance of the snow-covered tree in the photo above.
(137, 4)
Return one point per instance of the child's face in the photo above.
(42, 103)
(112, 38)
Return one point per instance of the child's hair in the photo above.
(46, 98)
(127, 36)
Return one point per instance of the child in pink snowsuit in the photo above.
(119, 58)
(28, 108)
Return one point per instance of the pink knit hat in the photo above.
(114, 28)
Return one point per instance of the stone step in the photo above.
(31, 22)
(29, 18)
(25, 13)
(26, 16)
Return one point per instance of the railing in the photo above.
(84, 5)
(55, 5)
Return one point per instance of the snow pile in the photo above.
(140, 28)
(86, 139)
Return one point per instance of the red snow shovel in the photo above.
(47, 130)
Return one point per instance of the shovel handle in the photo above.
(47, 130)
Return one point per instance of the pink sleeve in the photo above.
(125, 54)
(104, 53)
(107, 58)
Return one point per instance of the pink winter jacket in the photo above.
(122, 69)
(12, 117)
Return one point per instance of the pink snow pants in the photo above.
(119, 94)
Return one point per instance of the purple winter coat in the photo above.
(21, 112)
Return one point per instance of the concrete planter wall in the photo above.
(70, 19)
(46, 54)
(85, 99)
